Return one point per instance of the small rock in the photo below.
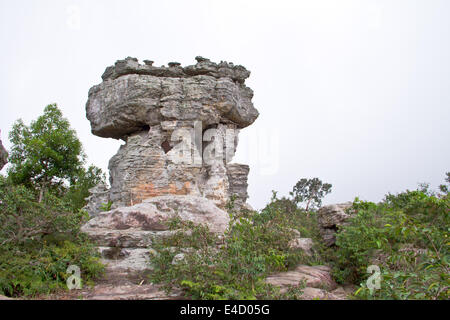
(304, 244)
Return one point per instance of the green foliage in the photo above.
(106, 206)
(40, 208)
(77, 193)
(45, 153)
(444, 188)
(235, 265)
(47, 157)
(41, 269)
(38, 242)
(24, 219)
(310, 191)
(406, 235)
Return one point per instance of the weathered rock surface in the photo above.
(99, 196)
(154, 213)
(312, 276)
(130, 291)
(330, 218)
(142, 169)
(125, 234)
(181, 127)
(133, 96)
(3, 156)
(304, 244)
(317, 282)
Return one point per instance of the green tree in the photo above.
(310, 191)
(45, 154)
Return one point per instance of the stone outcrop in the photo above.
(330, 218)
(180, 126)
(3, 156)
(138, 225)
(162, 111)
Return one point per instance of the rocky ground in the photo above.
(123, 286)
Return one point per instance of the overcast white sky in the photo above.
(356, 93)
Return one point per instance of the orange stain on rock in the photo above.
(148, 190)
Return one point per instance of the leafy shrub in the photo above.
(406, 235)
(235, 265)
(41, 269)
(39, 240)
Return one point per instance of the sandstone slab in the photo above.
(310, 276)
(153, 214)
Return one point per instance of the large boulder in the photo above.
(153, 214)
(330, 218)
(125, 234)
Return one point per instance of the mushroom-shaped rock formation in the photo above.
(159, 110)
(181, 127)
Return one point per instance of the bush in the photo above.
(41, 269)
(39, 240)
(235, 265)
(406, 235)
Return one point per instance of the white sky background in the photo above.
(356, 93)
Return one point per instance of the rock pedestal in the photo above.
(181, 127)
